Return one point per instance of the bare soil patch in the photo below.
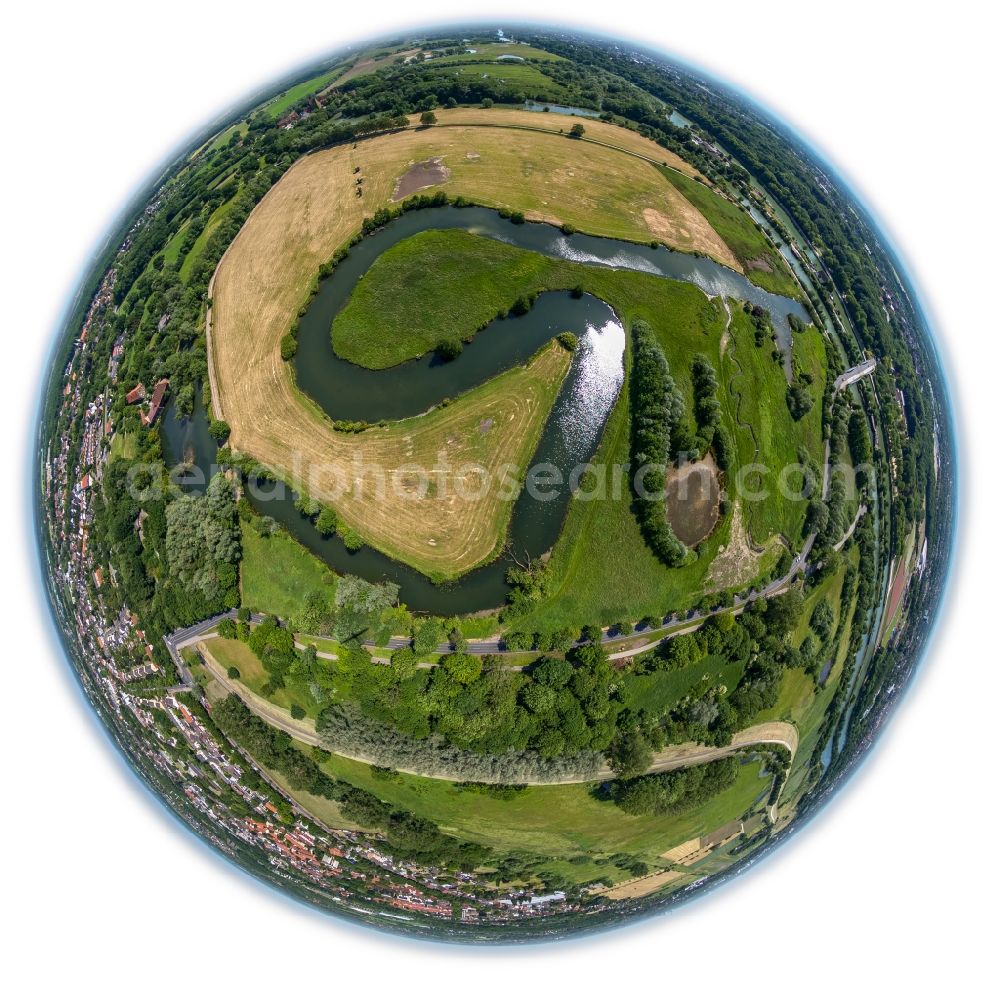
(735, 561)
(419, 176)
(693, 500)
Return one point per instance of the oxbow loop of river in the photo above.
(572, 432)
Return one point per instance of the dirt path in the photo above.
(862, 510)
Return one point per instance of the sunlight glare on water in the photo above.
(632, 262)
(597, 382)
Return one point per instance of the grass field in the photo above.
(379, 327)
(493, 51)
(233, 653)
(267, 271)
(659, 691)
(277, 573)
(764, 429)
(198, 246)
(292, 96)
(556, 821)
(761, 261)
(632, 582)
(123, 446)
(514, 76)
(173, 249)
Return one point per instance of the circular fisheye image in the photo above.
(495, 485)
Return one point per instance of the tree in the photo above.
(428, 118)
(297, 712)
(448, 349)
(463, 668)
(275, 648)
(799, 401)
(289, 345)
(518, 640)
(219, 429)
(426, 635)
(630, 755)
(576, 132)
(305, 504)
(403, 663)
(203, 541)
(326, 523)
(783, 612)
(359, 606)
(352, 539)
(822, 619)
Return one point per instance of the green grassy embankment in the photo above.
(761, 261)
(277, 573)
(602, 533)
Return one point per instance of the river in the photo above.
(572, 433)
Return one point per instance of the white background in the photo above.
(893, 889)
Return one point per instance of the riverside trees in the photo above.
(657, 408)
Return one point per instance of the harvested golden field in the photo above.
(596, 131)
(636, 888)
(266, 274)
(427, 490)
